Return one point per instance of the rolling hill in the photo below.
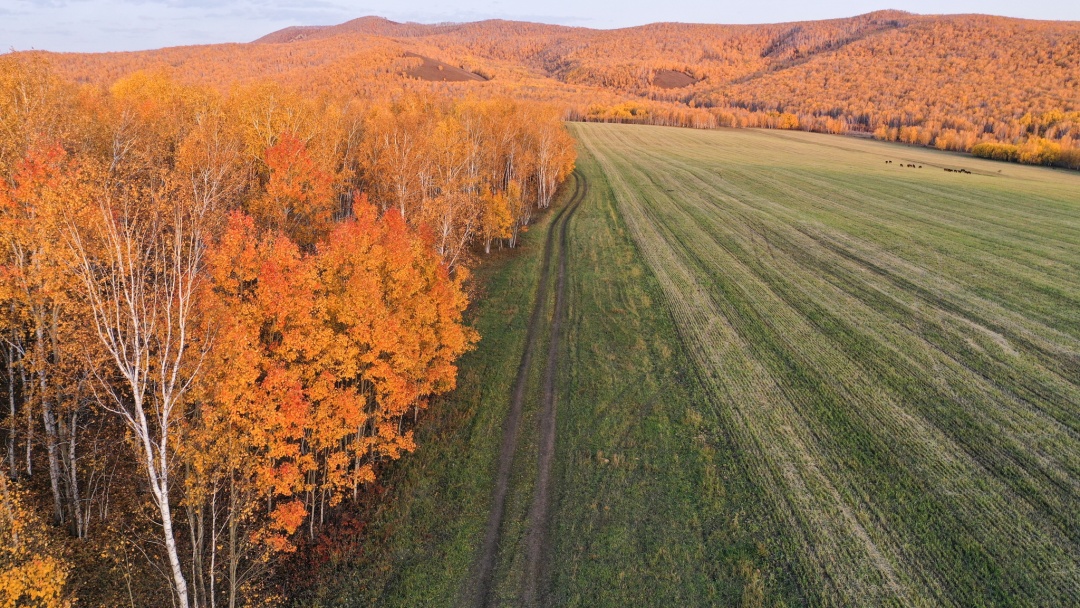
(945, 80)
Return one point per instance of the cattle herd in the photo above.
(889, 162)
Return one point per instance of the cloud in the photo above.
(462, 16)
(45, 4)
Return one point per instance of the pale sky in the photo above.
(122, 25)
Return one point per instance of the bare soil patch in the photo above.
(434, 70)
(672, 79)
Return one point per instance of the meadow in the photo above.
(893, 349)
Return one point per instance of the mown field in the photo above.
(788, 373)
(893, 351)
(653, 505)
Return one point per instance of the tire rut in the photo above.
(481, 593)
(537, 547)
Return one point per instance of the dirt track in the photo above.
(484, 568)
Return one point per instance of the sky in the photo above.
(125, 25)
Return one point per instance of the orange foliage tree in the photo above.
(31, 572)
(318, 358)
(299, 196)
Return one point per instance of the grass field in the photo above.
(653, 504)
(894, 351)
(788, 373)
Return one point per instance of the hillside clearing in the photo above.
(439, 71)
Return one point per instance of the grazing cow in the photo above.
(920, 166)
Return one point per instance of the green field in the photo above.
(788, 373)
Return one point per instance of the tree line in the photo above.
(220, 313)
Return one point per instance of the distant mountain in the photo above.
(379, 26)
(950, 80)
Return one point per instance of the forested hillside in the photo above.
(947, 81)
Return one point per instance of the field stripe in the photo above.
(830, 531)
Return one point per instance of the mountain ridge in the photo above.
(945, 80)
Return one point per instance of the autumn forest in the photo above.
(253, 294)
(950, 82)
(241, 285)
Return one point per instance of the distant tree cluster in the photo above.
(220, 313)
(1034, 151)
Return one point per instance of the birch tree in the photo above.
(139, 261)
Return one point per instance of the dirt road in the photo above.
(481, 590)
